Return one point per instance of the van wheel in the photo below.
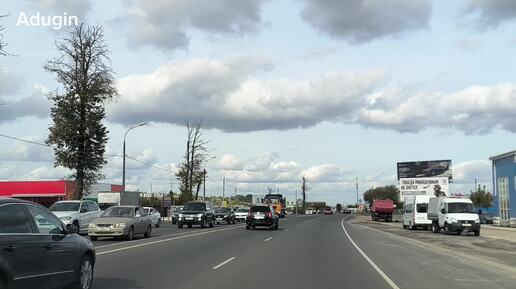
(212, 224)
(180, 226)
(477, 233)
(130, 234)
(404, 226)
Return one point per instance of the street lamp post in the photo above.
(204, 178)
(123, 161)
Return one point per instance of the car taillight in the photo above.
(269, 215)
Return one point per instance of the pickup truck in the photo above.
(382, 209)
(77, 213)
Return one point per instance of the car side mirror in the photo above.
(137, 215)
(443, 211)
(71, 229)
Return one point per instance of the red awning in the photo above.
(32, 188)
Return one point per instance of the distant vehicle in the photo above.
(328, 211)
(78, 213)
(346, 211)
(175, 213)
(382, 209)
(197, 213)
(106, 200)
(415, 212)
(121, 221)
(486, 217)
(36, 245)
(225, 215)
(309, 212)
(277, 202)
(453, 215)
(154, 216)
(262, 215)
(241, 214)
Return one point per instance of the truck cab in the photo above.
(453, 215)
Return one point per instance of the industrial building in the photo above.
(504, 185)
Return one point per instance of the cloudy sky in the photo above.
(330, 89)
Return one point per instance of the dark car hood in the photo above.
(192, 212)
(222, 214)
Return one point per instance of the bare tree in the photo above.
(191, 172)
(78, 132)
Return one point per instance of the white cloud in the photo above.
(226, 96)
(48, 173)
(468, 171)
(326, 172)
(34, 104)
(78, 8)
(166, 24)
(365, 20)
(21, 151)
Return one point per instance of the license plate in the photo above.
(189, 219)
(466, 225)
(259, 217)
(219, 219)
(107, 229)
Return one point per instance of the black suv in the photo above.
(38, 250)
(197, 213)
(225, 215)
(262, 215)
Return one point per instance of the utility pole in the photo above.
(357, 190)
(475, 185)
(303, 188)
(223, 187)
(295, 203)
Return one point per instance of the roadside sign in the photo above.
(410, 187)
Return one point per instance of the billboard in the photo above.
(422, 186)
(425, 169)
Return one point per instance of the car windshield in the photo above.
(222, 210)
(118, 212)
(461, 208)
(261, 209)
(242, 210)
(65, 207)
(194, 207)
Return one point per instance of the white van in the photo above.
(415, 213)
(453, 215)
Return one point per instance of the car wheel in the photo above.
(158, 224)
(212, 224)
(180, 226)
(253, 227)
(247, 227)
(85, 274)
(149, 232)
(277, 225)
(93, 238)
(203, 224)
(477, 233)
(130, 234)
(435, 228)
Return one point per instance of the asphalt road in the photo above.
(307, 252)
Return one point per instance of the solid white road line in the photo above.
(287, 230)
(268, 239)
(223, 263)
(382, 274)
(165, 240)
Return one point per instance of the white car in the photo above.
(241, 214)
(78, 213)
(154, 216)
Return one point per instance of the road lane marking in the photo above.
(223, 263)
(268, 239)
(287, 230)
(165, 240)
(121, 243)
(373, 264)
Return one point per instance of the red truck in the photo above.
(382, 209)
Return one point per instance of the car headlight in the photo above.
(225, 216)
(477, 220)
(453, 220)
(199, 215)
(120, 225)
(180, 215)
(91, 225)
(65, 218)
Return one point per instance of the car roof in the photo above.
(125, 206)
(4, 201)
(69, 201)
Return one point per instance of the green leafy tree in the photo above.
(339, 208)
(78, 134)
(481, 198)
(386, 192)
